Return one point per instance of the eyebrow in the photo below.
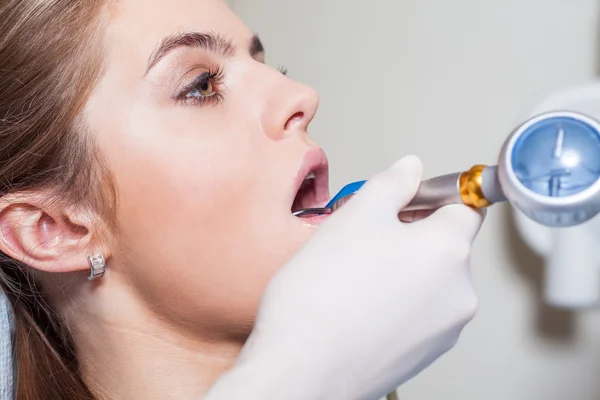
(209, 41)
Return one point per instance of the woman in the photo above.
(145, 145)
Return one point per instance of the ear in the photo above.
(46, 236)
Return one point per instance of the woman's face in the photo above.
(209, 147)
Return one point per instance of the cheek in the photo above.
(203, 266)
(197, 227)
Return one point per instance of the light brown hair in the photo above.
(51, 56)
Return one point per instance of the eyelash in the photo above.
(282, 69)
(215, 78)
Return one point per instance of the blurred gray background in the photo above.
(448, 80)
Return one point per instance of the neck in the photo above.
(128, 352)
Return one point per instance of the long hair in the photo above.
(50, 59)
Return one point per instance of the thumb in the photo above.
(394, 188)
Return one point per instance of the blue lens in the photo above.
(557, 157)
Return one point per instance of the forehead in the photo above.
(136, 27)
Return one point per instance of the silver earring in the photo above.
(97, 266)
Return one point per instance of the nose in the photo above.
(292, 107)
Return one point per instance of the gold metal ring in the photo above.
(470, 189)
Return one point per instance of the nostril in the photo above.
(294, 119)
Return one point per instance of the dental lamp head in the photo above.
(549, 168)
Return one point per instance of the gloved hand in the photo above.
(366, 304)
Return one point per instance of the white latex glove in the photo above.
(366, 304)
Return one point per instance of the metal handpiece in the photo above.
(436, 192)
(477, 187)
(312, 211)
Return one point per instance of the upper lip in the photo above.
(314, 161)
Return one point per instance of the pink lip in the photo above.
(315, 220)
(315, 161)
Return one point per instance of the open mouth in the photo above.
(312, 184)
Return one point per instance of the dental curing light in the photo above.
(549, 168)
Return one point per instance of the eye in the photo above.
(202, 89)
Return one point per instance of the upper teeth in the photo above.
(310, 176)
